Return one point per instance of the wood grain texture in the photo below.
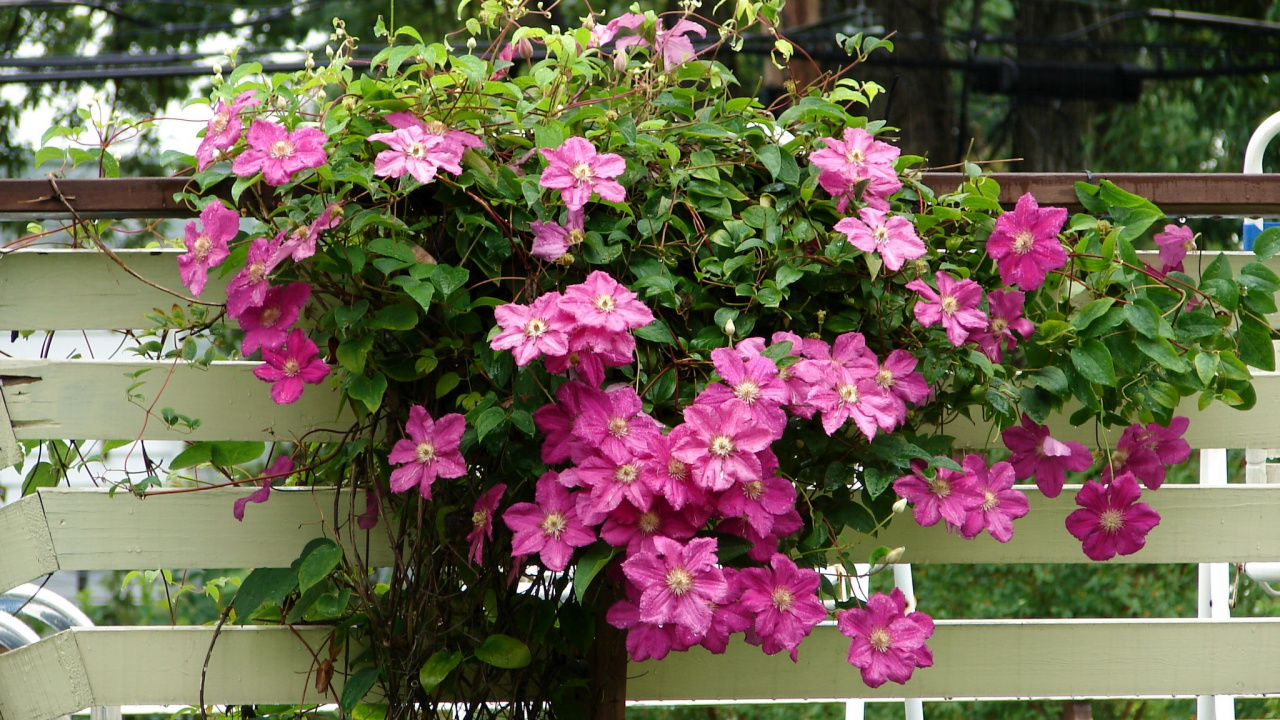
(26, 549)
(44, 680)
(88, 399)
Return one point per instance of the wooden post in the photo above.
(608, 660)
(1077, 710)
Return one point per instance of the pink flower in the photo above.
(249, 287)
(207, 245)
(296, 362)
(604, 303)
(672, 44)
(278, 153)
(430, 452)
(668, 476)
(784, 601)
(279, 470)
(301, 243)
(413, 151)
(1110, 520)
(223, 130)
(551, 240)
(900, 384)
(555, 420)
(459, 140)
(949, 495)
(760, 502)
(549, 527)
(532, 330)
(955, 305)
(1036, 455)
(894, 238)
(482, 522)
(577, 171)
(1005, 319)
(858, 158)
(368, 520)
(268, 325)
(630, 527)
(1001, 504)
(1025, 243)
(615, 423)
(645, 641)
(888, 643)
(728, 617)
(874, 191)
(1145, 451)
(610, 483)
(753, 382)
(678, 583)
(763, 546)
(720, 444)
(1174, 243)
(852, 395)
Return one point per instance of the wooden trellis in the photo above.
(60, 529)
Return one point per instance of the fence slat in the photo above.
(28, 549)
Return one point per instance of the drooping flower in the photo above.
(604, 303)
(1110, 520)
(207, 244)
(528, 331)
(672, 45)
(955, 305)
(430, 451)
(678, 582)
(268, 325)
(1146, 450)
(1005, 319)
(457, 140)
(278, 153)
(1001, 504)
(892, 237)
(754, 382)
(577, 171)
(888, 642)
(482, 522)
(296, 362)
(301, 243)
(279, 470)
(249, 287)
(1174, 243)
(1036, 455)
(763, 546)
(784, 600)
(949, 495)
(727, 617)
(645, 641)
(720, 444)
(224, 128)
(555, 420)
(1025, 243)
(549, 527)
(552, 240)
(413, 151)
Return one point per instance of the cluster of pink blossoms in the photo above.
(578, 171)
(671, 44)
(970, 501)
(420, 149)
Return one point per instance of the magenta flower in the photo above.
(1005, 319)
(728, 617)
(207, 244)
(678, 583)
(630, 527)
(1174, 243)
(555, 420)
(301, 243)
(667, 476)
(430, 452)
(604, 303)
(482, 522)
(224, 128)
(279, 470)
(577, 171)
(760, 502)
(412, 151)
(610, 482)
(458, 140)
(268, 325)
(529, 331)
(278, 153)
(754, 382)
(1001, 504)
(296, 362)
(1110, 520)
(672, 45)
(955, 305)
(852, 395)
(900, 384)
(785, 603)
(549, 527)
(893, 237)
(551, 240)
(720, 444)
(858, 159)
(949, 495)
(615, 423)
(1036, 455)
(249, 287)
(1146, 450)
(763, 546)
(888, 643)
(874, 191)
(645, 641)
(1025, 243)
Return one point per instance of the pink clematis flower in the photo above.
(672, 45)
(610, 482)
(888, 642)
(630, 527)
(301, 243)
(249, 287)
(1005, 319)
(784, 600)
(268, 325)
(460, 140)
(278, 153)
(430, 452)
(1025, 243)
(858, 160)
(296, 362)
(900, 384)
(760, 502)
(1110, 520)
(603, 303)
(852, 395)
(645, 641)
(678, 582)
(763, 546)
(552, 240)
(727, 617)
(549, 527)
(224, 128)
(667, 476)
(615, 423)
(754, 382)
(949, 495)
(1146, 450)
(482, 522)
(412, 151)
(1174, 243)
(893, 237)
(1036, 455)
(720, 444)
(955, 305)
(529, 331)
(555, 420)
(207, 244)
(279, 470)
(1001, 504)
(577, 171)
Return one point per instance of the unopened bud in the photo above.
(822, 316)
(349, 102)
(900, 506)
(729, 327)
(524, 48)
(620, 61)
(894, 555)
(565, 260)
(471, 44)
(611, 115)
(281, 103)
(922, 266)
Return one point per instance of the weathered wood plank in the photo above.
(27, 548)
(44, 680)
(81, 399)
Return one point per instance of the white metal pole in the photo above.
(1215, 582)
(914, 707)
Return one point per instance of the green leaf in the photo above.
(787, 275)
(771, 157)
(656, 331)
(1161, 351)
(1164, 394)
(262, 586)
(1259, 278)
(1093, 361)
(357, 686)
(489, 420)
(1206, 366)
(352, 353)
(1219, 269)
(322, 558)
(446, 383)
(449, 278)
(1267, 244)
(504, 651)
(228, 453)
(1091, 312)
(1144, 316)
(1051, 379)
(395, 317)
(368, 389)
(421, 292)
(437, 668)
(595, 559)
(1254, 344)
(1196, 324)
(196, 453)
(42, 475)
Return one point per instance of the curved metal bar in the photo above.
(14, 633)
(44, 605)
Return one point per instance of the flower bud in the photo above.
(900, 506)
(1104, 227)
(349, 103)
(471, 44)
(620, 61)
(895, 555)
(729, 327)
(524, 48)
(565, 260)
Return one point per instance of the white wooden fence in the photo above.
(66, 529)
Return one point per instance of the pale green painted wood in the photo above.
(44, 680)
(88, 399)
(26, 550)
(995, 659)
(87, 290)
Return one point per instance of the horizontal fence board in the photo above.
(89, 399)
(28, 549)
(44, 680)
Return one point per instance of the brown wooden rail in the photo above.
(1185, 194)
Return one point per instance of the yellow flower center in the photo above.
(753, 489)
(1111, 520)
(950, 305)
(854, 155)
(425, 452)
(649, 523)
(881, 235)
(880, 639)
(576, 236)
(999, 325)
(722, 446)
(270, 317)
(618, 427)
(849, 393)
(940, 487)
(202, 246)
(220, 121)
(1023, 241)
(582, 172)
(291, 367)
(885, 379)
(677, 469)
(479, 518)
(783, 599)
(257, 271)
(605, 303)
(989, 500)
(626, 474)
(679, 580)
(747, 391)
(553, 524)
(281, 149)
(416, 150)
(535, 328)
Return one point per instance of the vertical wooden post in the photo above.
(608, 660)
(1077, 710)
